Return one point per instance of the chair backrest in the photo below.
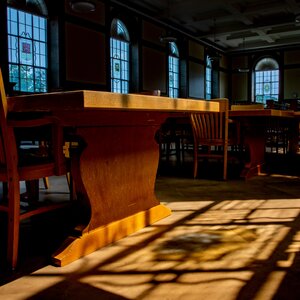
(211, 127)
(3, 123)
(8, 147)
(247, 106)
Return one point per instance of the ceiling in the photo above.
(229, 25)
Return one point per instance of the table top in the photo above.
(97, 100)
(261, 113)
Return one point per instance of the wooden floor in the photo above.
(224, 240)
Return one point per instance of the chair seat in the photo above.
(34, 156)
(211, 142)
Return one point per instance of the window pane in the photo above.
(28, 20)
(13, 49)
(22, 30)
(21, 17)
(12, 15)
(36, 21)
(26, 77)
(36, 33)
(40, 80)
(14, 74)
(42, 35)
(43, 24)
(13, 28)
(26, 52)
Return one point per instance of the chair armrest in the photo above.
(33, 122)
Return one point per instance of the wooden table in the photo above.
(254, 122)
(116, 171)
(297, 130)
(297, 114)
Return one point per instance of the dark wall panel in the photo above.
(154, 70)
(196, 80)
(85, 55)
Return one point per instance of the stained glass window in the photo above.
(173, 71)
(266, 80)
(27, 51)
(119, 57)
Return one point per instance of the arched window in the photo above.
(266, 80)
(208, 78)
(27, 47)
(173, 70)
(119, 57)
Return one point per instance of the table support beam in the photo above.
(77, 247)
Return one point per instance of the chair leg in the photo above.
(178, 150)
(195, 160)
(13, 223)
(225, 162)
(32, 189)
(71, 186)
(4, 190)
(46, 182)
(168, 151)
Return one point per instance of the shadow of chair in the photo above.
(211, 135)
(20, 164)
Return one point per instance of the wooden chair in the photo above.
(211, 139)
(18, 165)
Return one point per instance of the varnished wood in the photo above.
(12, 172)
(77, 100)
(210, 129)
(247, 106)
(254, 123)
(261, 113)
(74, 247)
(114, 166)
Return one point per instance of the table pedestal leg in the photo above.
(256, 147)
(114, 180)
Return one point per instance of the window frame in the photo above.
(208, 78)
(267, 71)
(27, 66)
(119, 45)
(173, 70)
